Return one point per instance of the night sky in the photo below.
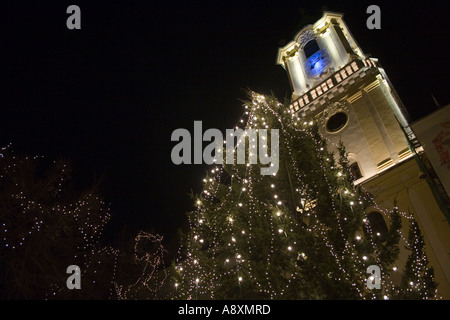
(107, 97)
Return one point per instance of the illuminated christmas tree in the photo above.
(46, 227)
(299, 233)
(418, 280)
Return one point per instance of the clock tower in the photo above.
(351, 98)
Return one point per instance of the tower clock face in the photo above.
(317, 63)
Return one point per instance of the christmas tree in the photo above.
(418, 280)
(46, 227)
(299, 233)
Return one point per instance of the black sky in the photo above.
(108, 96)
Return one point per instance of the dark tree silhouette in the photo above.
(47, 226)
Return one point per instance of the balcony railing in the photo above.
(335, 79)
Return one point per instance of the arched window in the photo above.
(378, 225)
(310, 48)
(355, 171)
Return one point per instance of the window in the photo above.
(378, 225)
(336, 122)
(310, 48)
(355, 171)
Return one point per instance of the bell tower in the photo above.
(351, 98)
(348, 93)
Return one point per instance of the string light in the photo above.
(153, 275)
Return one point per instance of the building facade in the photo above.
(350, 96)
